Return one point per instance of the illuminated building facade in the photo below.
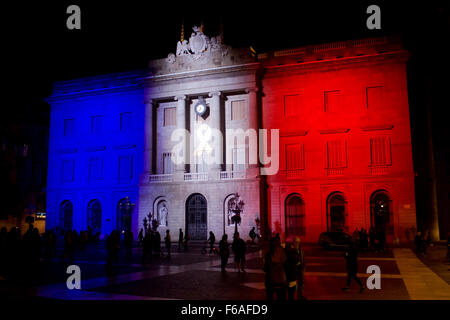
(130, 146)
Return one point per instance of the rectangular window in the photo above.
(67, 170)
(95, 169)
(374, 96)
(336, 154)
(202, 162)
(170, 116)
(380, 151)
(125, 167)
(125, 121)
(292, 105)
(96, 124)
(295, 157)
(238, 159)
(238, 108)
(167, 163)
(68, 127)
(332, 101)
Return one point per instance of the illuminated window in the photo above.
(292, 105)
(125, 121)
(170, 115)
(167, 163)
(238, 110)
(374, 96)
(96, 124)
(67, 170)
(332, 101)
(125, 167)
(295, 157)
(336, 154)
(95, 169)
(238, 159)
(68, 127)
(380, 151)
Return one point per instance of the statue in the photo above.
(163, 215)
(183, 48)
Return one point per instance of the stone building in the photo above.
(302, 141)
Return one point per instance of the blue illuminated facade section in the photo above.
(95, 153)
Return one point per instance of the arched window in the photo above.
(124, 212)
(94, 216)
(196, 214)
(295, 216)
(381, 211)
(336, 212)
(66, 215)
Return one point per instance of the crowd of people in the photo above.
(374, 240)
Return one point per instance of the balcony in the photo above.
(160, 178)
(196, 176)
(379, 170)
(294, 174)
(232, 175)
(334, 172)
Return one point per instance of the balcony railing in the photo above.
(379, 170)
(294, 174)
(230, 175)
(160, 178)
(196, 176)
(334, 172)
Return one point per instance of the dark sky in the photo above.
(121, 36)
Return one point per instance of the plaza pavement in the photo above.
(193, 275)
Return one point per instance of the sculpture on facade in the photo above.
(198, 47)
(163, 215)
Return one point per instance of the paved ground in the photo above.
(193, 275)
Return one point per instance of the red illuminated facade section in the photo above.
(345, 144)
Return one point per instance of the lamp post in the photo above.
(236, 207)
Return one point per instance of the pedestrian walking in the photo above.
(168, 242)
(146, 247)
(211, 241)
(417, 242)
(351, 257)
(128, 242)
(252, 235)
(239, 249)
(294, 269)
(275, 279)
(224, 252)
(180, 239)
(112, 250)
(186, 242)
(448, 247)
(140, 238)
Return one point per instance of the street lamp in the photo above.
(236, 207)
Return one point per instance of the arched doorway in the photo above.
(295, 215)
(94, 216)
(124, 212)
(336, 212)
(380, 211)
(66, 215)
(196, 213)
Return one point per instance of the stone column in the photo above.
(215, 124)
(181, 124)
(148, 137)
(253, 116)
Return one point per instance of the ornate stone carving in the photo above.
(171, 58)
(183, 48)
(198, 47)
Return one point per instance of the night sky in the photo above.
(122, 36)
